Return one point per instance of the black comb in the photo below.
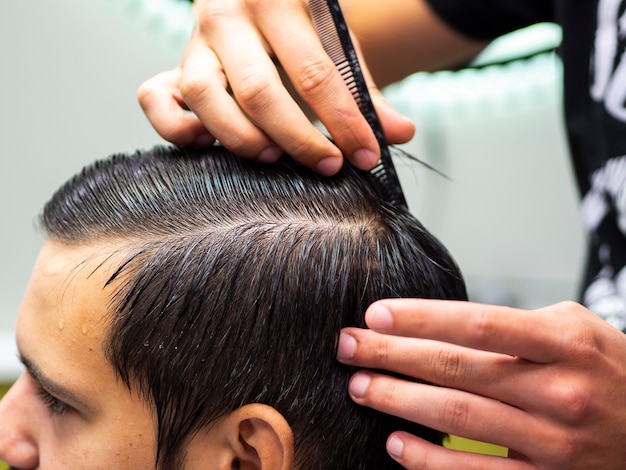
(333, 32)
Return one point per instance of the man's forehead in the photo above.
(68, 282)
(64, 311)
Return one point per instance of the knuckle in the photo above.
(390, 397)
(563, 447)
(382, 392)
(574, 402)
(579, 342)
(211, 15)
(381, 353)
(193, 89)
(448, 366)
(314, 77)
(569, 306)
(145, 92)
(455, 413)
(160, 85)
(484, 327)
(253, 91)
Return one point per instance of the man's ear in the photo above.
(253, 437)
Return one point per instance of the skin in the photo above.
(555, 400)
(503, 379)
(550, 387)
(69, 410)
(259, 116)
(59, 336)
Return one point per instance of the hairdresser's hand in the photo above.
(549, 384)
(229, 79)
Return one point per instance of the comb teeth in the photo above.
(333, 32)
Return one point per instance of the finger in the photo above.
(259, 91)
(414, 453)
(480, 372)
(164, 107)
(504, 378)
(453, 412)
(526, 334)
(203, 87)
(316, 79)
(441, 363)
(398, 129)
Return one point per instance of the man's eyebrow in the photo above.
(50, 386)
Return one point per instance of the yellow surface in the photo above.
(3, 389)
(459, 443)
(453, 442)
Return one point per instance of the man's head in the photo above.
(192, 302)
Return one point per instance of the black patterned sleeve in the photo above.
(488, 19)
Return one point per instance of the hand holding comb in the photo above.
(333, 32)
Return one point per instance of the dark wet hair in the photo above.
(235, 281)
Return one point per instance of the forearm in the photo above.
(399, 37)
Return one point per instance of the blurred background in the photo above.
(507, 209)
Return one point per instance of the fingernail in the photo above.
(328, 166)
(204, 139)
(358, 384)
(347, 347)
(395, 447)
(378, 317)
(365, 159)
(270, 155)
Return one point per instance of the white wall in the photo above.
(70, 69)
(69, 73)
(509, 215)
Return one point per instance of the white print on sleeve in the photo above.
(606, 295)
(608, 64)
